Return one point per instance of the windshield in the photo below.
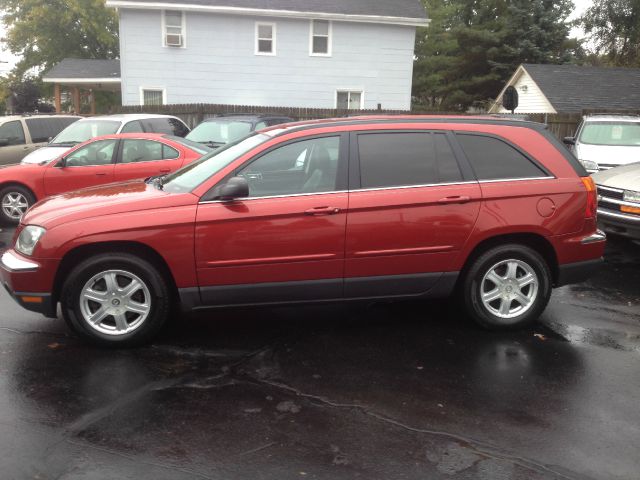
(189, 177)
(623, 134)
(84, 130)
(220, 132)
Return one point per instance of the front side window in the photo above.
(94, 154)
(349, 100)
(152, 96)
(308, 166)
(494, 159)
(265, 39)
(406, 159)
(11, 133)
(320, 37)
(83, 130)
(135, 151)
(174, 35)
(620, 134)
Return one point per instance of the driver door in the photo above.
(84, 167)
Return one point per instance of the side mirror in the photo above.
(569, 140)
(236, 187)
(61, 163)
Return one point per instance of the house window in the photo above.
(152, 96)
(320, 38)
(265, 38)
(174, 29)
(349, 100)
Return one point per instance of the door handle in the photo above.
(454, 199)
(101, 174)
(322, 211)
(165, 170)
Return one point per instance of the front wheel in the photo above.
(14, 202)
(115, 299)
(507, 287)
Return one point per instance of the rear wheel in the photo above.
(14, 202)
(507, 287)
(116, 299)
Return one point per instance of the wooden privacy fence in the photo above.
(561, 125)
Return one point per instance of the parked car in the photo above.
(606, 141)
(106, 159)
(350, 209)
(92, 127)
(218, 131)
(20, 135)
(619, 200)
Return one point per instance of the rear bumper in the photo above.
(578, 272)
(17, 270)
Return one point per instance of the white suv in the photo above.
(88, 128)
(606, 141)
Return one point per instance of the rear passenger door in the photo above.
(139, 158)
(412, 207)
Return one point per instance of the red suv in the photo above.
(362, 208)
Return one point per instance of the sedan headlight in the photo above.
(590, 165)
(28, 239)
(630, 196)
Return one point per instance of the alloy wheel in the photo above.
(509, 289)
(14, 205)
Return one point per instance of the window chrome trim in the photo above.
(15, 264)
(405, 187)
(245, 199)
(503, 180)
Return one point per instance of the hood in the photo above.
(624, 178)
(112, 199)
(608, 155)
(45, 154)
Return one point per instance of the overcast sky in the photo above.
(581, 6)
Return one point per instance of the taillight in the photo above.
(592, 197)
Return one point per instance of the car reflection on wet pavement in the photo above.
(406, 390)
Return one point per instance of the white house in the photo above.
(290, 53)
(572, 88)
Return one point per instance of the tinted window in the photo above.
(308, 166)
(42, 129)
(132, 127)
(404, 159)
(134, 151)
(171, 126)
(96, 153)
(493, 159)
(12, 133)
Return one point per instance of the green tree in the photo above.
(45, 32)
(614, 27)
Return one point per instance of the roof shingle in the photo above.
(77, 68)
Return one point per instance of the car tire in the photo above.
(507, 287)
(15, 200)
(116, 300)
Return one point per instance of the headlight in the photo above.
(630, 196)
(28, 239)
(590, 165)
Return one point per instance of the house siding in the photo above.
(219, 66)
(531, 98)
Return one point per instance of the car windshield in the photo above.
(622, 134)
(195, 146)
(84, 130)
(220, 132)
(189, 177)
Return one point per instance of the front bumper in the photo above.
(17, 271)
(627, 225)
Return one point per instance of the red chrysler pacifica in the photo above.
(496, 211)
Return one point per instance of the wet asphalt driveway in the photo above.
(389, 391)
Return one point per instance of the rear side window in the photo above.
(132, 127)
(42, 129)
(493, 159)
(406, 159)
(171, 126)
(135, 151)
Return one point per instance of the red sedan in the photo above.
(107, 159)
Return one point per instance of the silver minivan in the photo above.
(605, 141)
(22, 134)
(91, 127)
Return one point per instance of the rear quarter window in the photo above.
(494, 159)
(171, 126)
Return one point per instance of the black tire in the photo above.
(130, 265)
(474, 285)
(13, 191)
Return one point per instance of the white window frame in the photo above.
(163, 30)
(350, 91)
(156, 89)
(274, 36)
(329, 40)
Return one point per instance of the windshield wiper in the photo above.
(214, 144)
